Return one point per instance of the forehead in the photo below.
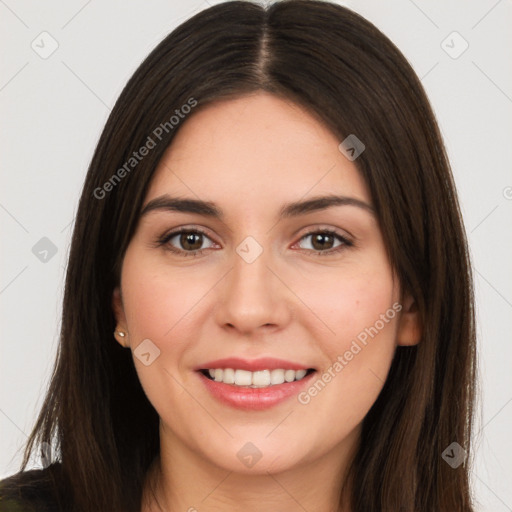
(253, 149)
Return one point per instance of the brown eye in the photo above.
(185, 242)
(322, 242)
(190, 240)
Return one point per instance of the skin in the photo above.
(250, 156)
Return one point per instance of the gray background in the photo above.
(53, 110)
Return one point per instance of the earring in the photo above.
(121, 334)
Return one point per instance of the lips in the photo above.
(254, 365)
(253, 397)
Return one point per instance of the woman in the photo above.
(215, 353)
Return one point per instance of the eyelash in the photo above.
(163, 240)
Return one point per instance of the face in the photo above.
(309, 290)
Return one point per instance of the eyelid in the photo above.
(168, 235)
(324, 227)
(346, 241)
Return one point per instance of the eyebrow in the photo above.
(210, 209)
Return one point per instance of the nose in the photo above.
(252, 296)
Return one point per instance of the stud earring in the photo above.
(121, 333)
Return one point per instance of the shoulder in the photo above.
(30, 491)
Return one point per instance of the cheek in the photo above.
(361, 311)
(158, 298)
(364, 309)
(153, 307)
(347, 301)
(159, 307)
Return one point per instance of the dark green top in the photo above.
(29, 491)
(11, 505)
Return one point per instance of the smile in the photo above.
(253, 385)
(257, 379)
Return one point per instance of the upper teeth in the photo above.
(260, 378)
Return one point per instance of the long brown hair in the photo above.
(345, 71)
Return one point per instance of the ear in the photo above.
(409, 328)
(118, 309)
